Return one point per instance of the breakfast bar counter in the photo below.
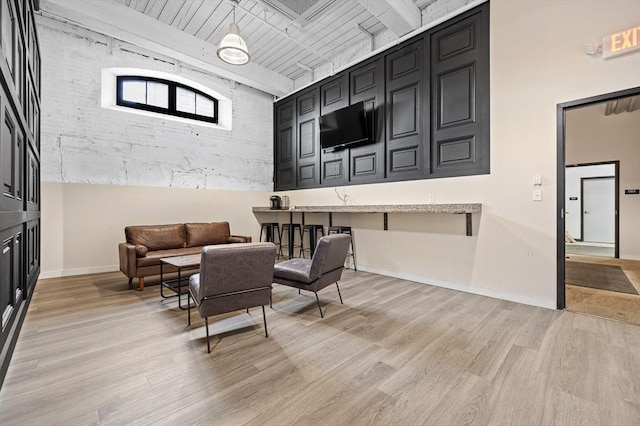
(453, 208)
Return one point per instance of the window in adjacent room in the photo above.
(166, 97)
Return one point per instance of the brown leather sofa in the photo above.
(147, 244)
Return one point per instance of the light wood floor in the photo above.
(607, 304)
(396, 353)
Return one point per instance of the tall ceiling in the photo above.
(285, 38)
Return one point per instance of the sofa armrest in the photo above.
(127, 254)
(238, 239)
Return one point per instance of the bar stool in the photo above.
(352, 248)
(271, 231)
(313, 231)
(289, 242)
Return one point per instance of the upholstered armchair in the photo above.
(232, 277)
(324, 269)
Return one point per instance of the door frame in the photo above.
(616, 206)
(561, 110)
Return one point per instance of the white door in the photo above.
(598, 210)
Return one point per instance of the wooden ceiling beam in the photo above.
(118, 21)
(400, 16)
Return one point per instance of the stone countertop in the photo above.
(383, 208)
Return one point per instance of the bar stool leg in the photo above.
(353, 253)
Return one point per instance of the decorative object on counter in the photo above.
(276, 202)
(285, 202)
(342, 197)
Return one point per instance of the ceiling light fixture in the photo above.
(233, 49)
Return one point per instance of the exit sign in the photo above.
(620, 43)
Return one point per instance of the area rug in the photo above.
(603, 277)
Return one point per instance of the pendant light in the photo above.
(233, 49)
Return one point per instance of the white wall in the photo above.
(85, 143)
(537, 61)
(590, 137)
(573, 189)
(83, 223)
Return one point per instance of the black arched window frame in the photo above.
(171, 108)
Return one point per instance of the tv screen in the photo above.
(345, 126)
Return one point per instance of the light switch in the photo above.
(537, 180)
(537, 195)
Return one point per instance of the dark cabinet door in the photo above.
(11, 277)
(308, 146)
(285, 145)
(460, 97)
(334, 95)
(19, 169)
(366, 84)
(11, 160)
(407, 124)
(31, 253)
(429, 97)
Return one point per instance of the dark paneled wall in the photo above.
(429, 97)
(19, 168)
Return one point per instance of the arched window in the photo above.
(165, 97)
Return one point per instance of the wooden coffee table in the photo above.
(190, 261)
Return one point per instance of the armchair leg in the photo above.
(264, 317)
(130, 283)
(247, 310)
(318, 300)
(188, 308)
(141, 283)
(271, 300)
(339, 295)
(206, 326)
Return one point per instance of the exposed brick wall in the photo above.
(85, 143)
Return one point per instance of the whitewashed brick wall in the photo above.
(85, 143)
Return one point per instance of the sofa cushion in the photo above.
(141, 251)
(203, 234)
(156, 237)
(153, 257)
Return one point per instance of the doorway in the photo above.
(589, 205)
(591, 209)
(598, 209)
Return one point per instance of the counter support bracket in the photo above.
(386, 221)
(469, 227)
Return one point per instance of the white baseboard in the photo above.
(401, 275)
(79, 271)
(629, 257)
(462, 287)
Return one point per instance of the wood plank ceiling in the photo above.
(286, 38)
(275, 41)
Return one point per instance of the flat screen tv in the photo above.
(345, 127)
